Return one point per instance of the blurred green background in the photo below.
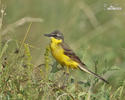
(85, 24)
(93, 32)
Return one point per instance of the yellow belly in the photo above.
(58, 54)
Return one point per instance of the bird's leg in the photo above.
(60, 78)
(66, 76)
(67, 70)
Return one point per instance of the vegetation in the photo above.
(29, 72)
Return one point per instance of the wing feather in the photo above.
(68, 51)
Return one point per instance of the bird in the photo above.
(65, 56)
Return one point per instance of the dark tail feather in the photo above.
(83, 68)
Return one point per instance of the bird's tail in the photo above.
(84, 68)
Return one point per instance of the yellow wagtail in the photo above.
(65, 56)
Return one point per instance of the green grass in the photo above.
(29, 72)
(20, 79)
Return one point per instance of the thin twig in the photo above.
(25, 36)
(61, 96)
(65, 94)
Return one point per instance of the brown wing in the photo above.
(82, 66)
(70, 53)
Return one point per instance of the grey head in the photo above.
(56, 34)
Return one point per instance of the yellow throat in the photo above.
(58, 54)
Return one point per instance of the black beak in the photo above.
(48, 35)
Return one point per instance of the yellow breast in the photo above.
(58, 54)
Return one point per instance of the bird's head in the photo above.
(56, 35)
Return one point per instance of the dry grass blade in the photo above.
(87, 10)
(2, 15)
(65, 94)
(20, 22)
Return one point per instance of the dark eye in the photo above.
(55, 35)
